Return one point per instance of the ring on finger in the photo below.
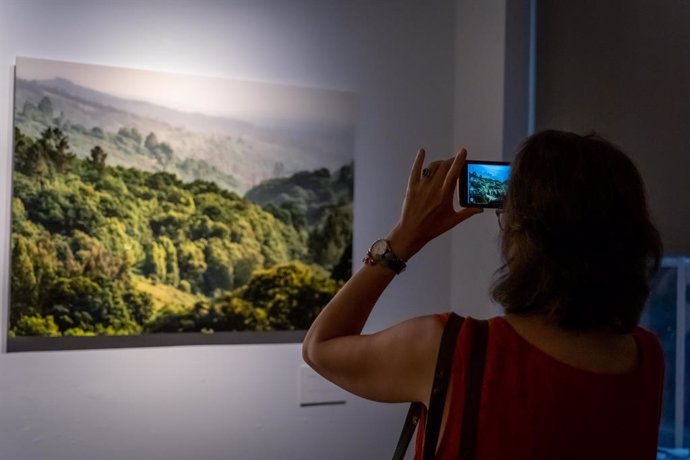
(426, 172)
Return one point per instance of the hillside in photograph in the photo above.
(236, 154)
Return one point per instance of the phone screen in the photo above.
(483, 184)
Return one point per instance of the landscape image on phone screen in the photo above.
(487, 183)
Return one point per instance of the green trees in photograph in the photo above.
(285, 297)
(103, 250)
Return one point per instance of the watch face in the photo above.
(379, 248)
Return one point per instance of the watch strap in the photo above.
(387, 259)
(395, 264)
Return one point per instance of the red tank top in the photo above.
(534, 407)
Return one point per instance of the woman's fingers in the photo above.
(434, 170)
(428, 207)
(416, 173)
(448, 171)
(453, 173)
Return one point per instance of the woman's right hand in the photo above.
(428, 209)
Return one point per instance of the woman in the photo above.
(568, 372)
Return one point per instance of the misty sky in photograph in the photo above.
(197, 94)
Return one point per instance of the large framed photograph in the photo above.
(152, 208)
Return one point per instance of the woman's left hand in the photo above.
(428, 209)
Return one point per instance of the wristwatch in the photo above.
(381, 253)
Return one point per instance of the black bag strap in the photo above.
(438, 395)
(473, 389)
(410, 425)
(437, 401)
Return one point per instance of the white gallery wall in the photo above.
(491, 108)
(241, 402)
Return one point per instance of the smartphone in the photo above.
(483, 184)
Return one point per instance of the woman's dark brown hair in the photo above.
(578, 242)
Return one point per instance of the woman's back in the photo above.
(541, 401)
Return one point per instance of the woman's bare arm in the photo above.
(396, 364)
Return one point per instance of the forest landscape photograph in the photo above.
(152, 203)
